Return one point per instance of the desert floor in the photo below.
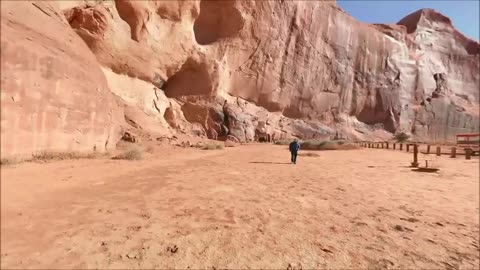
(241, 207)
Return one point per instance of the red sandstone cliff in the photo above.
(251, 68)
(54, 95)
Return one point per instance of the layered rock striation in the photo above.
(258, 70)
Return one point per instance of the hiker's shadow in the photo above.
(268, 162)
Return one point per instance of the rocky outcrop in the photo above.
(265, 70)
(448, 79)
(54, 95)
(238, 124)
(137, 38)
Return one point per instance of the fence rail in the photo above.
(453, 151)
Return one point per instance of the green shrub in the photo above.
(401, 137)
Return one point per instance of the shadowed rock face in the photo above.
(283, 68)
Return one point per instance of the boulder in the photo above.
(231, 141)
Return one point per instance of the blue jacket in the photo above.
(294, 146)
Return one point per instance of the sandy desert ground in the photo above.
(242, 207)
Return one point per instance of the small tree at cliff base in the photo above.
(401, 137)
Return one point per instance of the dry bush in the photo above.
(134, 153)
(230, 144)
(48, 155)
(10, 161)
(150, 149)
(210, 146)
(321, 145)
(327, 145)
(308, 155)
(45, 156)
(283, 142)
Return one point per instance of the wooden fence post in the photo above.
(408, 147)
(415, 156)
(401, 146)
(428, 149)
(394, 146)
(439, 151)
(454, 152)
(388, 147)
(468, 153)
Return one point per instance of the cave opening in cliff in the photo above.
(217, 20)
(377, 112)
(193, 79)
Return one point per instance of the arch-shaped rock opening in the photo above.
(217, 20)
(379, 112)
(193, 79)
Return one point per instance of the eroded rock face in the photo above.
(278, 69)
(322, 65)
(217, 21)
(448, 78)
(54, 95)
(137, 38)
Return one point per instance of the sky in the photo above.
(463, 13)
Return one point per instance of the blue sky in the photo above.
(463, 13)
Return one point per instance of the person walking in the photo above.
(294, 148)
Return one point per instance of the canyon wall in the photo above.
(251, 70)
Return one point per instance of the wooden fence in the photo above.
(452, 151)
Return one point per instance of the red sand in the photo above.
(196, 209)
